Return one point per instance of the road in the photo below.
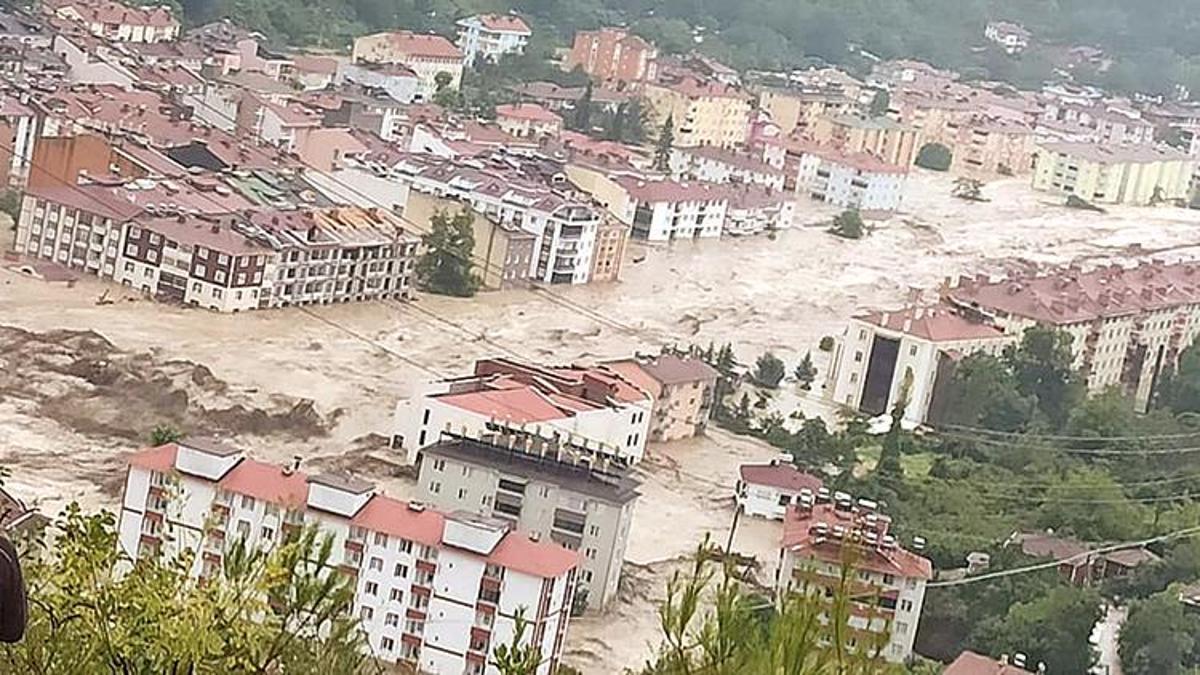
(1105, 639)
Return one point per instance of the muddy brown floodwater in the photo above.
(82, 382)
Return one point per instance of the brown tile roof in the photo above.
(800, 536)
(509, 23)
(196, 231)
(671, 191)
(423, 45)
(938, 323)
(970, 663)
(526, 111)
(782, 476)
(670, 369)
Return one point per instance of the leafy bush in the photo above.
(935, 157)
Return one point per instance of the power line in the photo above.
(1061, 437)
(1098, 452)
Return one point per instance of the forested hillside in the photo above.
(1152, 43)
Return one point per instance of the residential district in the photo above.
(206, 169)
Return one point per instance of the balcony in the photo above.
(354, 545)
(426, 566)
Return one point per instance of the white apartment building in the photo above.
(19, 123)
(768, 490)
(753, 209)
(884, 356)
(564, 223)
(490, 36)
(592, 407)
(712, 164)
(816, 534)
(118, 22)
(1012, 37)
(433, 590)
(665, 210)
(850, 180)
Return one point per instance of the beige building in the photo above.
(796, 111)
(994, 147)
(881, 137)
(428, 55)
(683, 389)
(503, 254)
(611, 236)
(555, 491)
(1138, 175)
(528, 120)
(703, 113)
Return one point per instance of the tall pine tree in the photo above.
(666, 139)
(445, 266)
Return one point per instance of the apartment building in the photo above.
(666, 210)
(703, 112)
(528, 120)
(491, 36)
(852, 180)
(824, 532)
(884, 357)
(428, 55)
(717, 165)
(1013, 38)
(994, 146)
(397, 80)
(503, 252)
(754, 209)
(553, 490)
(880, 137)
(433, 591)
(585, 405)
(209, 248)
(683, 389)
(117, 22)
(1134, 175)
(18, 136)
(609, 254)
(970, 663)
(612, 55)
(769, 490)
(1126, 325)
(795, 111)
(564, 222)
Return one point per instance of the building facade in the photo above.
(429, 56)
(850, 180)
(769, 490)
(491, 36)
(889, 581)
(796, 111)
(537, 487)
(435, 591)
(703, 113)
(612, 55)
(683, 389)
(503, 252)
(717, 165)
(1133, 175)
(590, 406)
(528, 120)
(880, 137)
(664, 210)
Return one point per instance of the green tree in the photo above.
(935, 157)
(445, 266)
(519, 656)
(1179, 388)
(10, 205)
(1042, 366)
(806, 372)
(1051, 629)
(769, 370)
(1159, 637)
(583, 110)
(848, 225)
(970, 189)
(663, 145)
(983, 393)
(880, 103)
(263, 612)
(163, 434)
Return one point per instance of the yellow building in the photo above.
(704, 113)
(881, 137)
(1135, 174)
(798, 110)
(994, 147)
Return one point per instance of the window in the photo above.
(439, 465)
(380, 539)
(858, 357)
(462, 493)
(901, 628)
(366, 613)
(388, 644)
(128, 267)
(435, 487)
(396, 595)
(371, 588)
(912, 351)
(591, 554)
(593, 530)
(267, 533)
(248, 502)
(404, 546)
(243, 529)
(376, 563)
(889, 579)
(217, 293)
(425, 419)
(392, 619)
(906, 605)
(414, 626)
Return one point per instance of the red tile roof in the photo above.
(970, 663)
(397, 519)
(95, 199)
(422, 45)
(117, 14)
(1071, 295)
(797, 536)
(267, 482)
(671, 191)
(160, 459)
(856, 160)
(504, 23)
(514, 402)
(782, 476)
(326, 65)
(693, 88)
(527, 111)
(545, 559)
(192, 230)
(936, 324)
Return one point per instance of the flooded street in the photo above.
(352, 362)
